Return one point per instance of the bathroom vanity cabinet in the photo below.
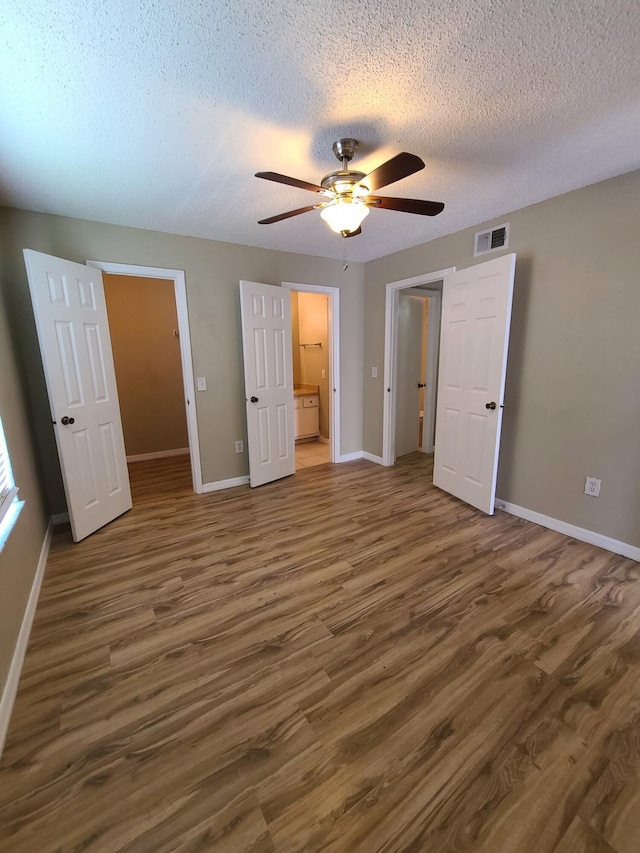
(306, 415)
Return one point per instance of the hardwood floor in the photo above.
(346, 660)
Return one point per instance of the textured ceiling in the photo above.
(157, 114)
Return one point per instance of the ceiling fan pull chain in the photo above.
(345, 265)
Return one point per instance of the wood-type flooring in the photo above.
(345, 660)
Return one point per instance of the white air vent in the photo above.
(491, 240)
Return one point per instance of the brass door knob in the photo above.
(490, 405)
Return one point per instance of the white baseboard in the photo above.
(160, 454)
(350, 457)
(371, 458)
(581, 533)
(11, 686)
(224, 484)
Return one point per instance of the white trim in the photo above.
(371, 458)
(8, 489)
(7, 503)
(180, 291)
(60, 518)
(581, 533)
(334, 358)
(390, 335)
(10, 689)
(9, 520)
(350, 457)
(160, 454)
(219, 485)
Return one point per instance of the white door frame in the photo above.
(334, 358)
(390, 355)
(184, 337)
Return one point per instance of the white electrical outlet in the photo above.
(201, 383)
(592, 487)
(239, 446)
(374, 372)
(324, 373)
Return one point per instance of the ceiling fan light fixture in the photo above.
(344, 215)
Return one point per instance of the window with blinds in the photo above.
(8, 489)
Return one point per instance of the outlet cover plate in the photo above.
(592, 487)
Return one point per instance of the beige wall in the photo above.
(573, 377)
(19, 557)
(313, 327)
(143, 322)
(212, 271)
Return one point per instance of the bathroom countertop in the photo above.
(304, 389)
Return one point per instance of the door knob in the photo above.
(491, 405)
(422, 385)
(65, 421)
(254, 399)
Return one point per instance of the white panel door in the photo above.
(476, 315)
(408, 371)
(268, 380)
(71, 320)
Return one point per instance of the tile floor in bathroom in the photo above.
(309, 453)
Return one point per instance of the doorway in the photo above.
(399, 388)
(309, 339)
(143, 327)
(175, 281)
(315, 336)
(418, 336)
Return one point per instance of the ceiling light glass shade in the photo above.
(344, 214)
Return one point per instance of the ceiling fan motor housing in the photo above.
(343, 182)
(345, 149)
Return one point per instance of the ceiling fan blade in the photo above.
(287, 215)
(292, 182)
(406, 205)
(353, 233)
(400, 166)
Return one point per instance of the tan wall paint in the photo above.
(21, 552)
(142, 323)
(573, 377)
(212, 270)
(313, 320)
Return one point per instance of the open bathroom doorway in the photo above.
(315, 335)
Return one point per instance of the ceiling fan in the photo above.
(347, 193)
